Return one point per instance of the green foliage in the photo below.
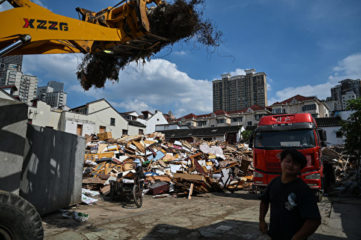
(351, 128)
(246, 135)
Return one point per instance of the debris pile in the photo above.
(340, 170)
(172, 22)
(177, 167)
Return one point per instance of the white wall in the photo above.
(43, 116)
(156, 119)
(100, 113)
(331, 136)
(167, 127)
(134, 130)
(71, 127)
(5, 96)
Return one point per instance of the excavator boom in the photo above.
(32, 29)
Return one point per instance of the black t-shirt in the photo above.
(291, 204)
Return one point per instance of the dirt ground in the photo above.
(206, 216)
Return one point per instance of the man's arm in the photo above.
(263, 209)
(309, 227)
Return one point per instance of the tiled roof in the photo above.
(204, 115)
(188, 116)
(299, 98)
(253, 107)
(200, 132)
(135, 123)
(221, 112)
(8, 86)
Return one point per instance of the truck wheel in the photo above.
(18, 218)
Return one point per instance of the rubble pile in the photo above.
(178, 168)
(340, 170)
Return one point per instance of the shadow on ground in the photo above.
(228, 229)
(349, 210)
(238, 194)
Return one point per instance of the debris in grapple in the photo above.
(174, 22)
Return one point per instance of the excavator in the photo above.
(29, 28)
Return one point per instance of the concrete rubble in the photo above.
(178, 168)
(341, 169)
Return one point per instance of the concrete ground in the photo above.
(206, 216)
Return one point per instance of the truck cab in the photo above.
(278, 132)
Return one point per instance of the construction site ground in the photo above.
(206, 216)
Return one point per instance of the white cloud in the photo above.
(58, 67)
(157, 84)
(39, 2)
(133, 105)
(238, 71)
(349, 67)
(180, 53)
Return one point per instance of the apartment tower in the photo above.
(239, 92)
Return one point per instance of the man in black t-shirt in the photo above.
(294, 211)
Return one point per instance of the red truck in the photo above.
(278, 132)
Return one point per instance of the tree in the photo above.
(246, 134)
(351, 129)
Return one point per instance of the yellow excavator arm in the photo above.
(32, 29)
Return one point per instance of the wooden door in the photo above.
(79, 130)
(101, 129)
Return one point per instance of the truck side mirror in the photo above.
(323, 137)
(322, 134)
(250, 142)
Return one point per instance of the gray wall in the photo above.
(52, 170)
(46, 165)
(13, 125)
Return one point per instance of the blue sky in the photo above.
(304, 46)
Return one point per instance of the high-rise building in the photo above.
(53, 94)
(341, 93)
(16, 59)
(57, 86)
(26, 85)
(28, 88)
(239, 92)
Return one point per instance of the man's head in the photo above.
(292, 161)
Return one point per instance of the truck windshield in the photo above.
(285, 139)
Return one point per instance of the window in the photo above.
(249, 123)
(339, 134)
(220, 120)
(277, 110)
(125, 132)
(309, 107)
(201, 123)
(285, 139)
(141, 132)
(112, 121)
(258, 116)
(237, 119)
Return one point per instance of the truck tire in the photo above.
(18, 219)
